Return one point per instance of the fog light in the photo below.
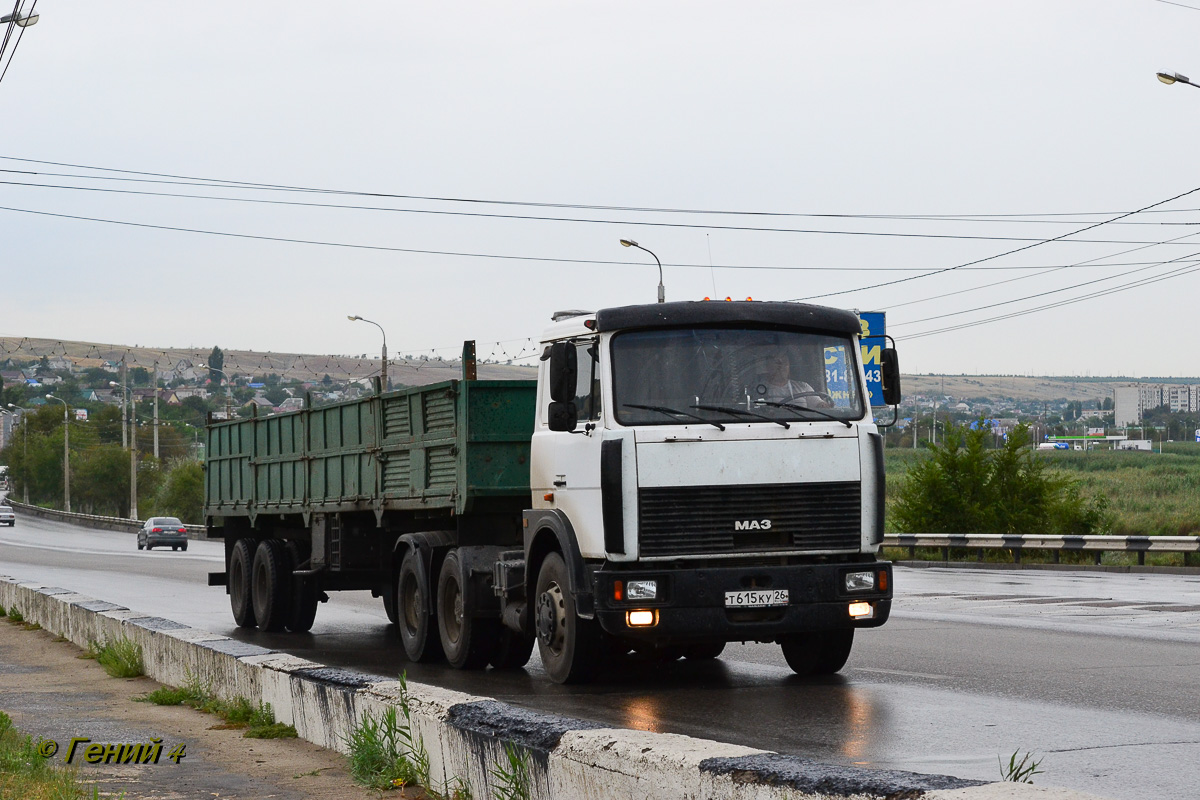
(641, 590)
(861, 610)
(641, 619)
(860, 581)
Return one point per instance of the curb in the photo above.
(466, 735)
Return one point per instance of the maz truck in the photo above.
(679, 476)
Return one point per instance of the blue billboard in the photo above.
(874, 326)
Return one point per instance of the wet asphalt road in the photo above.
(1097, 673)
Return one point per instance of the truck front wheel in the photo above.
(414, 611)
(818, 653)
(569, 646)
(467, 641)
(240, 561)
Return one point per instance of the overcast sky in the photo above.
(1028, 109)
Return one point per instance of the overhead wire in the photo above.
(184, 180)
(581, 220)
(1002, 255)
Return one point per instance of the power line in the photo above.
(184, 180)
(1043, 273)
(466, 254)
(581, 220)
(1008, 253)
(1039, 294)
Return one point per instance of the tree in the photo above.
(965, 488)
(182, 492)
(216, 361)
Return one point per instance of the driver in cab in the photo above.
(776, 385)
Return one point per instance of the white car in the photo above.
(7, 517)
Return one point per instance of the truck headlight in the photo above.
(641, 590)
(860, 581)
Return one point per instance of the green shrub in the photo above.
(964, 487)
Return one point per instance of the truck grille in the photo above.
(700, 520)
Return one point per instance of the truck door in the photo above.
(577, 455)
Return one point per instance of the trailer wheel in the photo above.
(569, 646)
(512, 650)
(240, 561)
(414, 611)
(304, 607)
(819, 653)
(467, 641)
(271, 585)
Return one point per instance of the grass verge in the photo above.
(25, 773)
(237, 714)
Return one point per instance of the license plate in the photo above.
(756, 598)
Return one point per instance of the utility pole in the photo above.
(133, 512)
(156, 410)
(124, 399)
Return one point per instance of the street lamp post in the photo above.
(662, 292)
(24, 452)
(66, 452)
(383, 370)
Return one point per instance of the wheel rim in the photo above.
(452, 602)
(237, 591)
(410, 612)
(552, 618)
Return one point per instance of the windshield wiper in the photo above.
(673, 412)
(743, 412)
(796, 407)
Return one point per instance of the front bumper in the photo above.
(690, 604)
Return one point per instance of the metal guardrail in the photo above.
(92, 520)
(1098, 545)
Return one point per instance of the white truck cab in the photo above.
(711, 472)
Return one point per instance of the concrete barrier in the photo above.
(466, 736)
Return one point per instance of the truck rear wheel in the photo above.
(819, 653)
(569, 646)
(414, 611)
(304, 608)
(271, 585)
(240, 561)
(467, 641)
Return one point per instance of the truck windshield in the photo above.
(681, 376)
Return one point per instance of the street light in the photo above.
(1174, 77)
(66, 452)
(24, 22)
(383, 371)
(662, 292)
(24, 452)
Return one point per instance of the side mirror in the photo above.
(563, 416)
(889, 365)
(564, 371)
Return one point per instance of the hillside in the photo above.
(1001, 387)
(299, 366)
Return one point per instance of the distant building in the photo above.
(1131, 402)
